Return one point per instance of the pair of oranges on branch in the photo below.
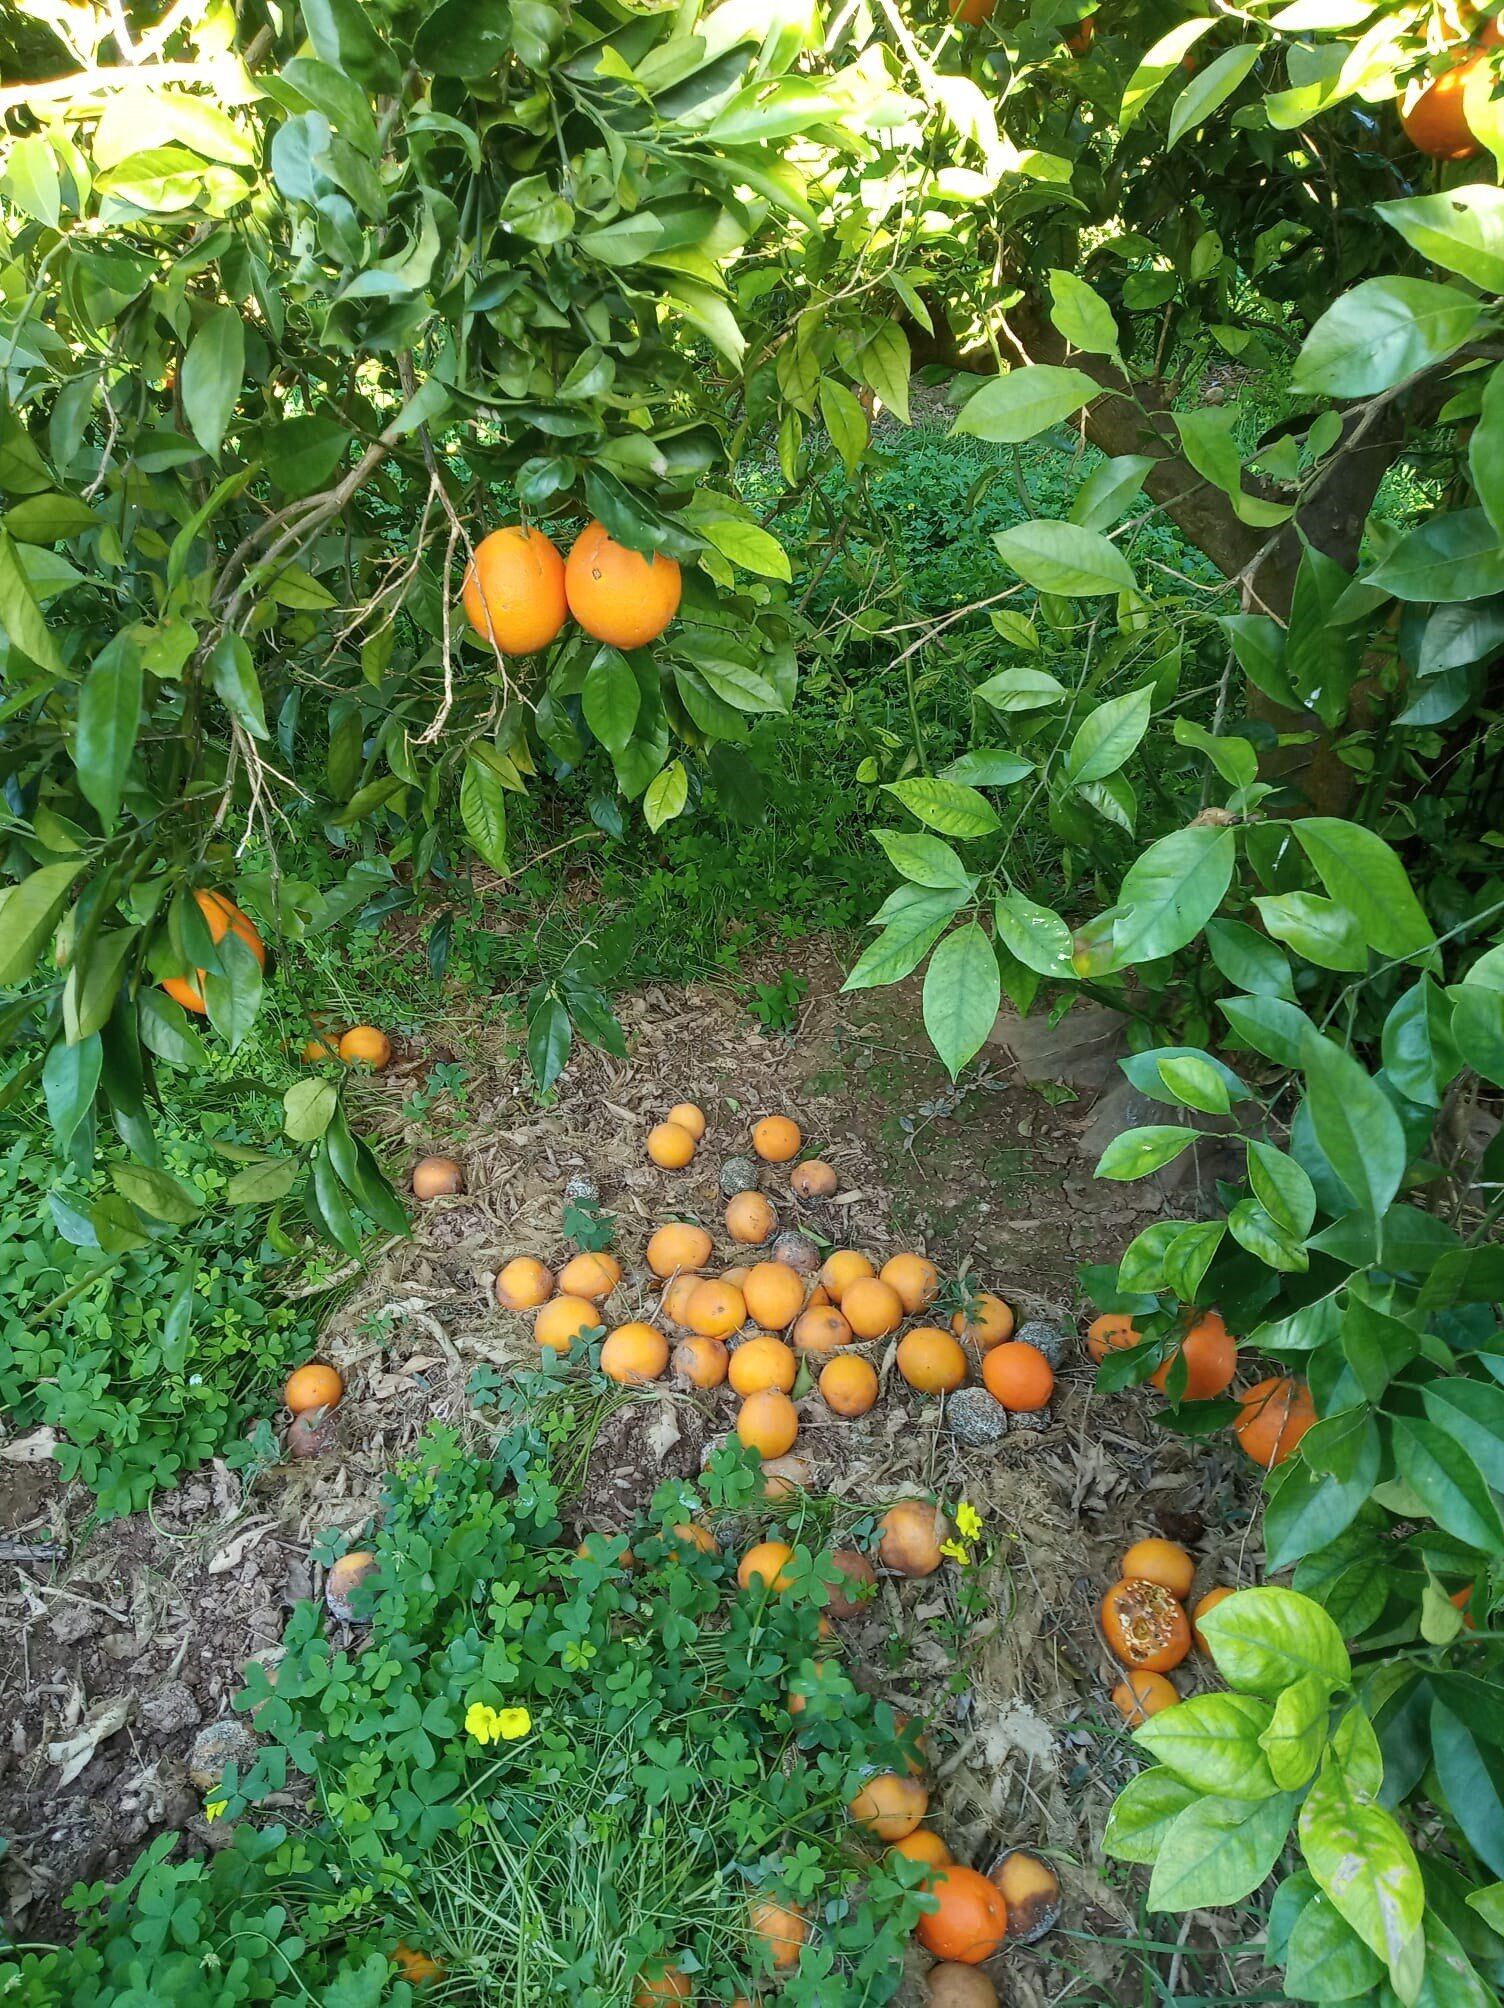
(518, 591)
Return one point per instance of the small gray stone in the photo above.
(1046, 1337)
(1031, 1420)
(739, 1174)
(218, 1745)
(582, 1188)
(975, 1419)
(171, 1707)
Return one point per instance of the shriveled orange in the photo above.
(914, 1277)
(701, 1362)
(774, 1295)
(923, 1845)
(949, 1984)
(849, 1384)
(1209, 1603)
(761, 1363)
(514, 590)
(1019, 1376)
(670, 1146)
(784, 1477)
(766, 1564)
(814, 1179)
(416, 1968)
(971, 1921)
(1138, 1695)
(634, 1353)
(715, 1309)
(777, 1138)
(523, 1284)
(223, 917)
(821, 1329)
(313, 1386)
(987, 1321)
(889, 1806)
(1145, 1626)
(844, 1266)
(690, 1116)
(364, 1046)
(618, 595)
(768, 1423)
(1031, 1890)
(931, 1361)
(871, 1307)
(781, 1927)
(750, 1219)
(678, 1246)
(437, 1177)
(911, 1536)
(592, 1274)
(1210, 1353)
(1162, 1562)
(1113, 1332)
(1276, 1415)
(562, 1319)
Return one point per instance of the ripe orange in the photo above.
(1082, 36)
(315, 1050)
(842, 1268)
(856, 1574)
(670, 1146)
(821, 1330)
(1211, 1359)
(987, 1321)
(889, 1806)
(701, 1362)
(1113, 1332)
(523, 1284)
(814, 1179)
(972, 13)
(690, 1116)
(692, 1535)
(768, 1423)
(678, 1246)
(951, 1985)
(592, 1274)
(416, 1967)
(774, 1294)
(677, 1292)
(737, 1274)
(912, 1532)
(972, 1919)
(931, 1360)
(1209, 1603)
(1145, 1626)
(766, 1564)
(618, 595)
(871, 1307)
(849, 1384)
(782, 1928)
(1276, 1415)
(750, 1219)
(1435, 122)
(313, 1386)
(1139, 1695)
(514, 590)
(915, 1279)
(661, 1982)
(634, 1353)
(344, 1579)
(715, 1309)
(224, 917)
(562, 1319)
(437, 1177)
(1019, 1376)
(364, 1046)
(592, 1549)
(923, 1845)
(1162, 1562)
(776, 1139)
(761, 1363)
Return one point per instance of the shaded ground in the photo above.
(140, 1629)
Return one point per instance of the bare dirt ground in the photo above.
(129, 1637)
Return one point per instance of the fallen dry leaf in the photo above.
(74, 1752)
(33, 1449)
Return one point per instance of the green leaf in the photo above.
(1356, 1126)
(1144, 1812)
(1327, 1960)
(1454, 556)
(345, 39)
(70, 1079)
(1478, 1028)
(1218, 1851)
(237, 683)
(1024, 402)
(1305, 1510)
(28, 914)
(49, 519)
(988, 767)
(1020, 689)
(1256, 1230)
(883, 363)
(1263, 1640)
(1460, 229)
(1279, 1030)
(233, 993)
(1209, 89)
(962, 993)
(1109, 735)
(31, 180)
(109, 713)
(611, 699)
(1162, 62)
(1365, 1865)
(166, 1032)
(209, 382)
(1137, 1152)
(1382, 332)
(1472, 1778)
(1063, 558)
(1485, 450)
(1234, 759)
(1212, 1741)
(308, 1108)
(1297, 1732)
(666, 795)
(20, 615)
(947, 806)
(549, 1038)
(1472, 1412)
(1445, 1478)
(1420, 1054)
(1172, 890)
(263, 1184)
(1363, 874)
(1082, 315)
(94, 982)
(905, 940)
(845, 421)
(1317, 928)
(924, 860)
(157, 1194)
(1208, 438)
(1196, 1081)
(1248, 960)
(750, 546)
(1039, 938)
(483, 810)
(1282, 1188)
(1108, 489)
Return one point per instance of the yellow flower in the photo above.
(968, 1520)
(957, 1551)
(512, 1723)
(496, 1725)
(214, 1808)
